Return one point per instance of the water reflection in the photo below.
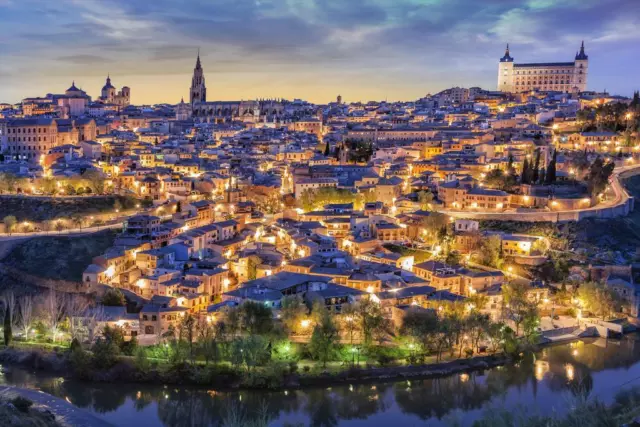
(554, 372)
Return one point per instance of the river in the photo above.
(541, 383)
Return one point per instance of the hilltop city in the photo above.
(465, 222)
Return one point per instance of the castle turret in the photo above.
(505, 72)
(581, 70)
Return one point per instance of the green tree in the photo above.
(113, 297)
(598, 176)
(293, 311)
(372, 321)
(518, 307)
(490, 253)
(256, 318)
(327, 149)
(535, 174)
(187, 332)
(599, 299)
(324, 336)
(551, 169)
(421, 326)
(525, 176)
(425, 198)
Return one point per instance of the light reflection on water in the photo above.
(543, 382)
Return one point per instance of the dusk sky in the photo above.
(309, 49)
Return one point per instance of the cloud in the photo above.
(424, 43)
(83, 59)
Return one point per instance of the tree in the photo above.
(293, 311)
(187, 331)
(76, 307)
(350, 324)
(324, 334)
(54, 310)
(425, 198)
(178, 206)
(510, 168)
(77, 220)
(524, 177)
(518, 308)
(316, 198)
(491, 252)
(96, 181)
(500, 180)
(252, 350)
(25, 315)
(551, 169)
(599, 299)
(113, 297)
(106, 349)
(256, 318)
(327, 149)
(421, 326)
(8, 332)
(372, 321)
(598, 176)
(535, 174)
(10, 222)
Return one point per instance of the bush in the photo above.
(271, 377)
(130, 347)
(141, 361)
(105, 353)
(22, 404)
(80, 361)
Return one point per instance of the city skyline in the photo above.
(396, 50)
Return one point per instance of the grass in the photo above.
(58, 257)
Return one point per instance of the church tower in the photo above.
(581, 70)
(198, 91)
(505, 72)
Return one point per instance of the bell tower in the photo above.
(198, 92)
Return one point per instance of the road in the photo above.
(621, 197)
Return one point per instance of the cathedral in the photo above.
(109, 95)
(227, 111)
(545, 76)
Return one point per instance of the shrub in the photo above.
(105, 353)
(80, 361)
(130, 347)
(141, 361)
(22, 404)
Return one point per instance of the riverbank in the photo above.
(276, 376)
(20, 407)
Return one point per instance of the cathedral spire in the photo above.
(198, 66)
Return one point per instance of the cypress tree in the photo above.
(327, 149)
(525, 172)
(543, 175)
(536, 168)
(337, 153)
(551, 170)
(510, 164)
(8, 333)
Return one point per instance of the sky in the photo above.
(308, 49)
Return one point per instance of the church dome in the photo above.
(108, 85)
